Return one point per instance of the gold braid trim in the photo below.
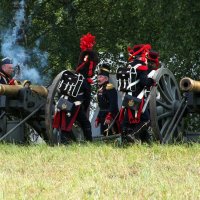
(104, 69)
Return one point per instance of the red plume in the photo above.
(139, 49)
(130, 50)
(87, 42)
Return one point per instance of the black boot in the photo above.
(146, 137)
(67, 137)
(87, 134)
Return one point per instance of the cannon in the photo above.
(19, 106)
(192, 93)
(168, 107)
(187, 84)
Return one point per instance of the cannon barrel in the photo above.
(12, 90)
(187, 84)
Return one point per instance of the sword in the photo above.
(111, 124)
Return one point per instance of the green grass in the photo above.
(99, 171)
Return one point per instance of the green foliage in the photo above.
(5, 16)
(171, 27)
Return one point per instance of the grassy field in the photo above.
(100, 171)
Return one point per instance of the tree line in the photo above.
(171, 27)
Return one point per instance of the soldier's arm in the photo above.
(87, 95)
(144, 80)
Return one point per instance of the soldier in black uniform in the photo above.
(64, 119)
(107, 101)
(86, 66)
(134, 122)
(88, 60)
(6, 70)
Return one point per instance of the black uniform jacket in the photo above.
(142, 73)
(107, 100)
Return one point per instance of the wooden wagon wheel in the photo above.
(52, 98)
(166, 108)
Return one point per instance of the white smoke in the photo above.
(21, 56)
(34, 74)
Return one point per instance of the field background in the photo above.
(100, 171)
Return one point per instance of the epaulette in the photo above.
(109, 86)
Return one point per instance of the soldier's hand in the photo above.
(108, 118)
(107, 121)
(97, 121)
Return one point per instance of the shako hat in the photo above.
(104, 69)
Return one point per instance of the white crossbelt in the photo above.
(76, 103)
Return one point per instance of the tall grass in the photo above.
(99, 171)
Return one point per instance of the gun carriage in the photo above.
(35, 106)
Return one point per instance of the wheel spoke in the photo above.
(173, 91)
(163, 104)
(171, 88)
(165, 115)
(165, 84)
(163, 95)
(164, 127)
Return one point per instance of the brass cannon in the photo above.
(188, 84)
(13, 90)
(192, 93)
(21, 105)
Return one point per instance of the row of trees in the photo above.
(171, 27)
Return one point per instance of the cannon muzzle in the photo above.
(12, 90)
(187, 84)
